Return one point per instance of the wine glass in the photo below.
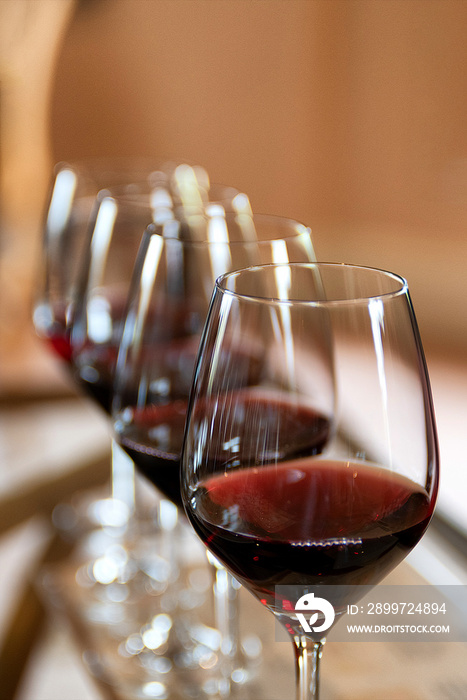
(77, 221)
(117, 223)
(69, 214)
(67, 217)
(173, 281)
(321, 474)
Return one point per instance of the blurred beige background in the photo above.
(347, 114)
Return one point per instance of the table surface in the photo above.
(45, 459)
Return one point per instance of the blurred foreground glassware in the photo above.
(313, 460)
(177, 265)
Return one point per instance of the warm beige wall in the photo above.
(347, 114)
(30, 34)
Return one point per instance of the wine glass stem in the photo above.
(226, 615)
(226, 611)
(307, 662)
(123, 477)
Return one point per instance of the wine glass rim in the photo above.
(401, 287)
(140, 190)
(115, 172)
(93, 165)
(288, 228)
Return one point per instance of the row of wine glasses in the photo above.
(204, 230)
(175, 272)
(288, 411)
(92, 236)
(91, 239)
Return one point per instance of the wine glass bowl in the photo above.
(119, 216)
(115, 233)
(322, 475)
(169, 301)
(67, 216)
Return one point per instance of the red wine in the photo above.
(154, 442)
(167, 355)
(154, 435)
(309, 521)
(154, 438)
(56, 331)
(94, 369)
(59, 339)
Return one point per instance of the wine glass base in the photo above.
(147, 632)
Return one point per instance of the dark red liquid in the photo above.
(59, 339)
(55, 329)
(94, 369)
(154, 442)
(309, 521)
(91, 364)
(167, 356)
(154, 439)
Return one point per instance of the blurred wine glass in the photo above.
(82, 214)
(70, 206)
(137, 563)
(178, 262)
